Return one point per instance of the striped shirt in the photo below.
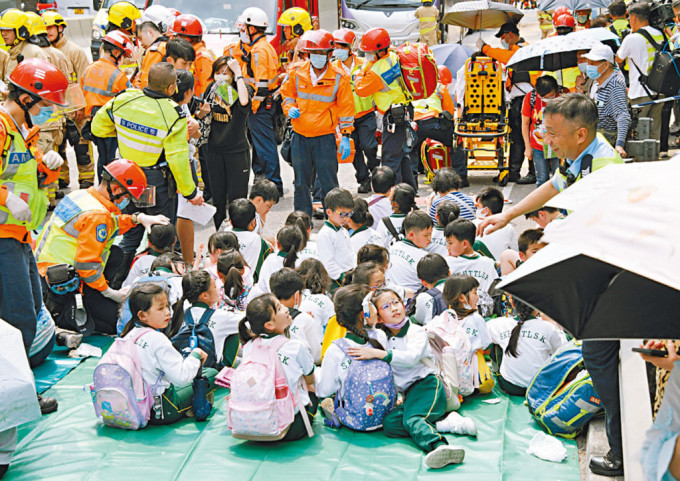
(466, 203)
(612, 107)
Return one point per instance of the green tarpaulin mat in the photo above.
(58, 364)
(72, 444)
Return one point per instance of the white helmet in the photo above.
(159, 15)
(254, 16)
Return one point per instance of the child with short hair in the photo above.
(267, 319)
(253, 248)
(381, 256)
(544, 215)
(163, 368)
(231, 268)
(333, 243)
(447, 212)
(529, 243)
(360, 223)
(264, 195)
(370, 274)
(406, 253)
(490, 201)
(527, 343)
(445, 186)
(432, 271)
(287, 285)
(289, 241)
(302, 220)
(462, 259)
(315, 300)
(161, 239)
(383, 180)
(403, 201)
(460, 293)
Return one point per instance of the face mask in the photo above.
(341, 54)
(244, 37)
(318, 60)
(223, 78)
(592, 71)
(43, 116)
(123, 203)
(582, 66)
(480, 214)
(369, 56)
(505, 44)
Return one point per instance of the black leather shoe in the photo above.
(606, 465)
(527, 179)
(364, 187)
(47, 404)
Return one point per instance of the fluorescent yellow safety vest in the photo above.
(389, 70)
(361, 104)
(432, 103)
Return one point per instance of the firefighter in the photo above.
(428, 16)
(14, 30)
(293, 22)
(155, 23)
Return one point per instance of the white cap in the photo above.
(600, 52)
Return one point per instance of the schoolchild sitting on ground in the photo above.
(286, 285)
(252, 247)
(445, 186)
(379, 204)
(302, 220)
(424, 396)
(380, 255)
(217, 243)
(490, 201)
(462, 259)
(264, 195)
(460, 293)
(525, 342)
(267, 319)
(315, 298)
(447, 212)
(432, 271)
(406, 253)
(360, 224)
(544, 216)
(171, 266)
(403, 201)
(231, 269)
(333, 243)
(200, 291)
(290, 240)
(529, 243)
(163, 368)
(161, 239)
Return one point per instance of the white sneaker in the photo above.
(458, 424)
(443, 456)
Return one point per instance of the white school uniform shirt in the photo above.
(309, 252)
(335, 250)
(335, 365)
(538, 341)
(252, 247)
(404, 257)
(309, 331)
(141, 267)
(271, 264)
(381, 208)
(222, 324)
(498, 241)
(410, 350)
(424, 303)
(360, 238)
(382, 235)
(319, 306)
(175, 281)
(476, 265)
(474, 326)
(157, 356)
(296, 361)
(438, 242)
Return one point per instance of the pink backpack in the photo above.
(121, 397)
(260, 405)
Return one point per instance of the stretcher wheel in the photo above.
(503, 178)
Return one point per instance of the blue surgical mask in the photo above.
(318, 60)
(592, 71)
(582, 66)
(505, 44)
(341, 54)
(43, 116)
(124, 202)
(369, 56)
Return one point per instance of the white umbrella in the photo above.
(481, 14)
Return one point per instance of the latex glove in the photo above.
(114, 295)
(344, 149)
(235, 67)
(52, 160)
(294, 113)
(148, 220)
(18, 207)
(480, 44)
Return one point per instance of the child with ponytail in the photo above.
(527, 341)
(460, 294)
(315, 299)
(304, 222)
(290, 240)
(267, 319)
(360, 224)
(447, 212)
(231, 269)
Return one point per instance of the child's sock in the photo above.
(457, 424)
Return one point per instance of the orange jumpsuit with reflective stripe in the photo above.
(202, 68)
(262, 71)
(101, 82)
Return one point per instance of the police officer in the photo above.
(381, 77)
(152, 132)
(34, 85)
(571, 131)
(80, 234)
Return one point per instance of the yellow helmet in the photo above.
(36, 25)
(53, 19)
(297, 19)
(15, 19)
(124, 15)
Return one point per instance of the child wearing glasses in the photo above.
(333, 244)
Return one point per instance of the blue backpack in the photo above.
(192, 335)
(561, 396)
(125, 314)
(367, 394)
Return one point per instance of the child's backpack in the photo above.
(261, 405)
(438, 303)
(561, 396)
(367, 394)
(121, 397)
(125, 314)
(418, 69)
(192, 335)
(396, 236)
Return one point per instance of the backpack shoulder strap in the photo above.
(294, 313)
(189, 318)
(648, 36)
(144, 330)
(375, 201)
(390, 227)
(207, 314)
(532, 99)
(342, 344)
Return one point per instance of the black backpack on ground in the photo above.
(193, 334)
